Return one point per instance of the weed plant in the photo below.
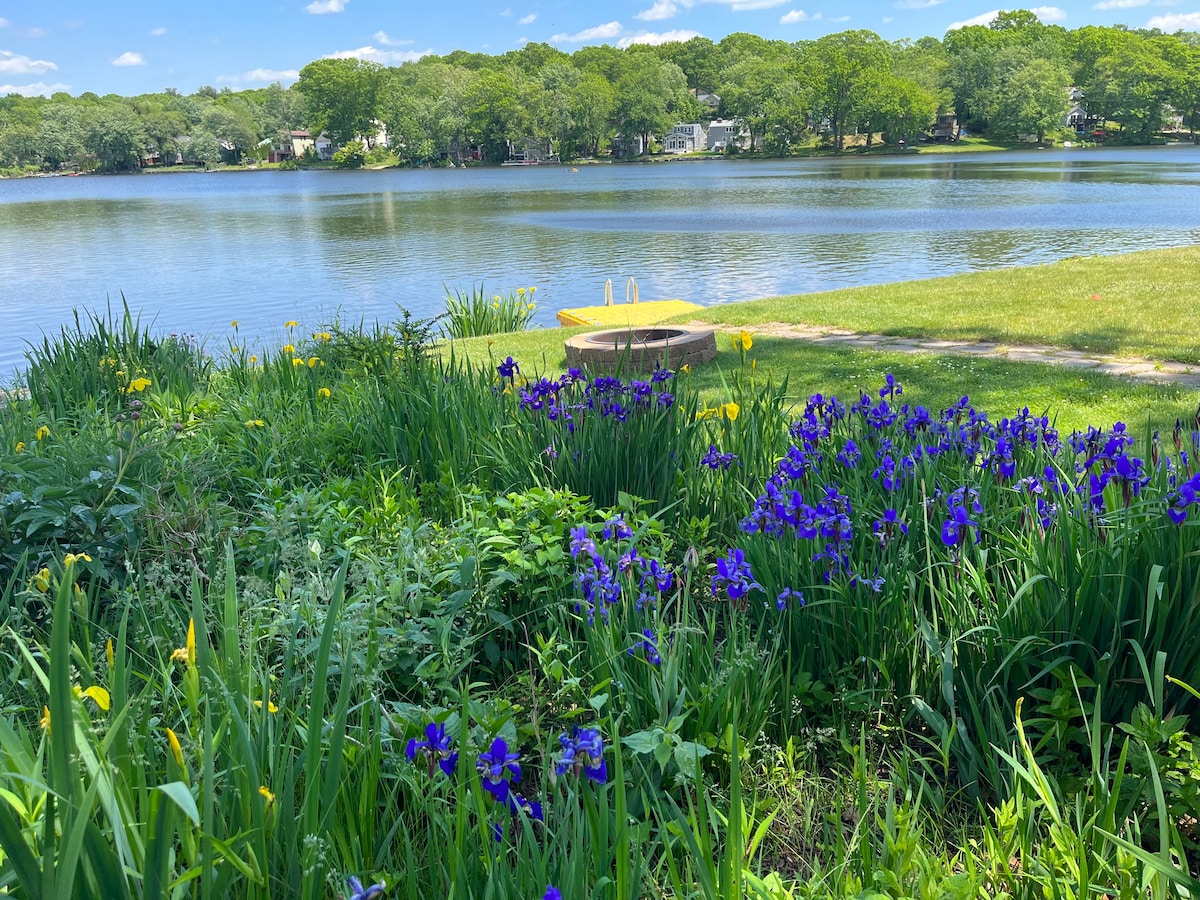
(473, 313)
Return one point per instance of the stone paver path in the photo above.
(1139, 369)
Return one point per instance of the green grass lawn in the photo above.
(1076, 399)
(1135, 304)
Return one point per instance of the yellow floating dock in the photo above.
(649, 313)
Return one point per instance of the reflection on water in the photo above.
(194, 251)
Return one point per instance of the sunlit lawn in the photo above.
(1136, 304)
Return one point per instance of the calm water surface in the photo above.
(192, 252)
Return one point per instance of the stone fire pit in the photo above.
(641, 350)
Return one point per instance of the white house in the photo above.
(323, 146)
(685, 139)
(293, 146)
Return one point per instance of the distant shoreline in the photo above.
(983, 147)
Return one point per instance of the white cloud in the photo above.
(791, 18)
(386, 57)
(1120, 4)
(662, 9)
(1176, 21)
(599, 32)
(129, 58)
(15, 64)
(887, 20)
(1044, 13)
(158, 32)
(37, 89)
(1049, 13)
(4, 23)
(527, 20)
(261, 76)
(982, 19)
(744, 5)
(917, 4)
(840, 19)
(652, 37)
(382, 37)
(321, 7)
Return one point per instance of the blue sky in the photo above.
(129, 48)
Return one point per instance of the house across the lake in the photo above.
(292, 146)
(726, 133)
(685, 139)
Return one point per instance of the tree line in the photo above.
(1010, 78)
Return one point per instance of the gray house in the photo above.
(724, 133)
(685, 139)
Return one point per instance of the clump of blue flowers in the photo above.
(583, 751)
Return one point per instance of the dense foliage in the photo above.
(349, 611)
(1006, 79)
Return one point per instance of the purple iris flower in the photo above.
(436, 747)
(649, 646)
(358, 892)
(493, 764)
(734, 576)
(583, 751)
(508, 368)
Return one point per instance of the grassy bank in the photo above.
(368, 608)
(1135, 304)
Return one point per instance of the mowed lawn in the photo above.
(1074, 398)
(1136, 304)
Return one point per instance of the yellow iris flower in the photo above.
(176, 750)
(291, 323)
(138, 385)
(20, 446)
(41, 581)
(323, 392)
(42, 433)
(98, 695)
(187, 653)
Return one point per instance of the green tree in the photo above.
(19, 146)
(748, 89)
(1034, 93)
(592, 104)
(699, 58)
(202, 148)
(350, 155)
(493, 112)
(61, 135)
(845, 65)
(232, 124)
(342, 97)
(647, 97)
(116, 137)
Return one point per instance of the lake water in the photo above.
(193, 251)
